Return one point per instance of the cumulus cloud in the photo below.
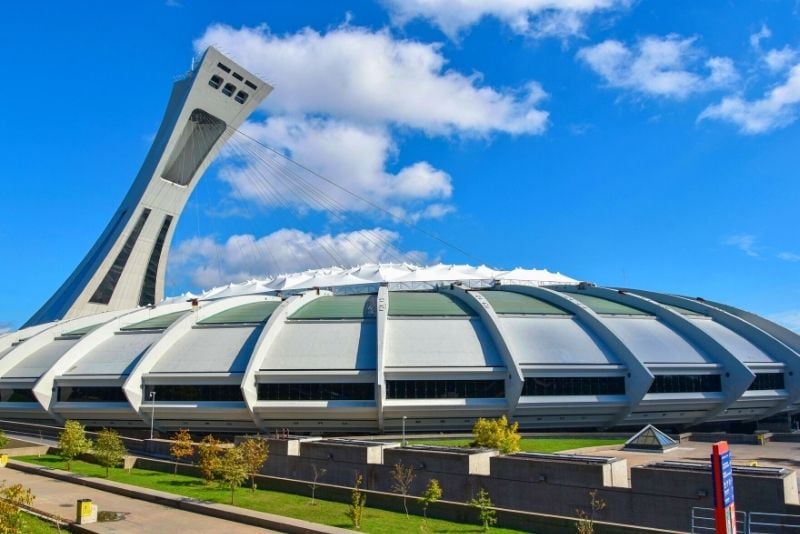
(777, 108)
(761, 34)
(369, 76)
(670, 66)
(744, 242)
(780, 60)
(788, 256)
(790, 319)
(205, 262)
(351, 155)
(535, 18)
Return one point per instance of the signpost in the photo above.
(722, 475)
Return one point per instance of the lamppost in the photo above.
(404, 430)
(152, 411)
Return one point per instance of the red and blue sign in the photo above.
(722, 475)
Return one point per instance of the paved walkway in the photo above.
(58, 498)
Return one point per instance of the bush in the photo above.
(181, 446)
(109, 449)
(72, 442)
(12, 498)
(209, 453)
(484, 505)
(497, 434)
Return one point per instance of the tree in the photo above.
(484, 505)
(432, 493)
(497, 434)
(72, 442)
(181, 446)
(12, 498)
(209, 453)
(109, 449)
(255, 452)
(585, 522)
(358, 501)
(402, 478)
(318, 473)
(232, 469)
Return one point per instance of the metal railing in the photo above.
(747, 522)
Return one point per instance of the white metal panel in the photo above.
(321, 345)
(733, 342)
(40, 361)
(115, 356)
(653, 342)
(555, 341)
(210, 350)
(439, 343)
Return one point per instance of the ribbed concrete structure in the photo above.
(359, 349)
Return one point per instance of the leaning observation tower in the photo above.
(361, 349)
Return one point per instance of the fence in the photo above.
(747, 522)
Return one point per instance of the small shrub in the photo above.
(109, 449)
(209, 453)
(255, 452)
(3, 440)
(485, 508)
(11, 499)
(72, 442)
(232, 470)
(432, 493)
(358, 501)
(318, 474)
(402, 478)
(585, 522)
(181, 446)
(497, 434)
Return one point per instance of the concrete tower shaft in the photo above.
(126, 266)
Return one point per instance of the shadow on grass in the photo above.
(184, 483)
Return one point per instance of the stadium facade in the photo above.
(365, 348)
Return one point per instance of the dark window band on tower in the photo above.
(445, 389)
(148, 294)
(686, 384)
(105, 290)
(573, 385)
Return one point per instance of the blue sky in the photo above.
(647, 144)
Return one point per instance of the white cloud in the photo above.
(744, 242)
(371, 77)
(790, 319)
(789, 256)
(780, 60)
(205, 262)
(670, 66)
(351, 155)
(5, 328)
(776, 109)
(536, 18)
(756, 38)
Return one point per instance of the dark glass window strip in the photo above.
(445, 389)
(105, 290)
(686, 384)
(316, 392)
(91, 394)
(17, 395)
(148, 294)
(201, 393)
(767, 381)
(573, 385)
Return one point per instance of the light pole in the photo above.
(152, 411)
(404, 431)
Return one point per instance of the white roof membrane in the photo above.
(733, 342)
(439, 343)
(321, 345)
(554, 341)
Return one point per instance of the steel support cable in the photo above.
(332, 206)
(311, 197)
(404, 220)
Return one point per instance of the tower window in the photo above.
(229, 89)
(241, 97)
(224, 67)
(215, 81)
(250, 84)
(238, 76)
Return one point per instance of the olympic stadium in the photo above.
(371, 347)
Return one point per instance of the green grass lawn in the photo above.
(528, 444)
(285, 504)
(34, 525)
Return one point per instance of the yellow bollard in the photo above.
(86, 512)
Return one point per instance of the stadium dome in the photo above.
(364, 349)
